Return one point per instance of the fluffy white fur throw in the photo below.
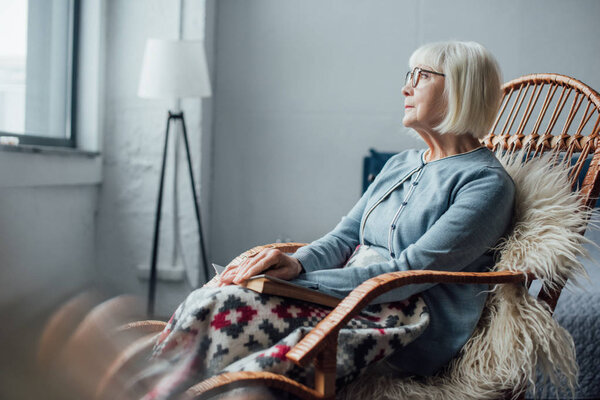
(516, 334)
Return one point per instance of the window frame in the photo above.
(71, 122)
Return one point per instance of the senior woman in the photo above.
(443, 208)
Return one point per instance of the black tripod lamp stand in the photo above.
(173, 69)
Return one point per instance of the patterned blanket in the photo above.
(227, 329)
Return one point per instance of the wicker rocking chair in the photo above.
(532, 117)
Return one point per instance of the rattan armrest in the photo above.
(231, 380)
(316, 339)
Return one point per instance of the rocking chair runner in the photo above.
(531, 109)
(528, 119)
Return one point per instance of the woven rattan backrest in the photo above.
(551, 112)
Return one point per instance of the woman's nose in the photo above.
(407, 89)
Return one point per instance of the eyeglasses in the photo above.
(414, 75)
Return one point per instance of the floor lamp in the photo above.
(173, 69)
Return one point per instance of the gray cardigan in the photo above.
(442, 215)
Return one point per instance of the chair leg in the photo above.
(325, 367)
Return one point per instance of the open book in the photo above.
(279, 287)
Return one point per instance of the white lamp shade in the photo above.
(174, 69)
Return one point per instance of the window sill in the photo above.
(30, 165)
(37, 149)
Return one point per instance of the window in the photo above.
(37, 71)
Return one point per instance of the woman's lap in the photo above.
(231, 328)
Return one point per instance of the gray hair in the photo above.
(473, 84)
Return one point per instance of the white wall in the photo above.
(132, 149)
(305, 88)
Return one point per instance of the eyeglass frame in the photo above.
(411, 74)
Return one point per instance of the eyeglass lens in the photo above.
(413, 77)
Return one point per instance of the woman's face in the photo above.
(425, 105)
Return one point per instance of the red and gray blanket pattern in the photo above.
(227, 329)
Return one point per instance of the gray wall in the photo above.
(305, 88)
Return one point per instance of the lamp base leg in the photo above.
(155, 241)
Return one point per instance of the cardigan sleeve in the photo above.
(478, 217)
(333, 249)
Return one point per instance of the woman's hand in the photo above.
(214, 282)
(270, 261)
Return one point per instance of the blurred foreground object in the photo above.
(95, 351)
(82, 343)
